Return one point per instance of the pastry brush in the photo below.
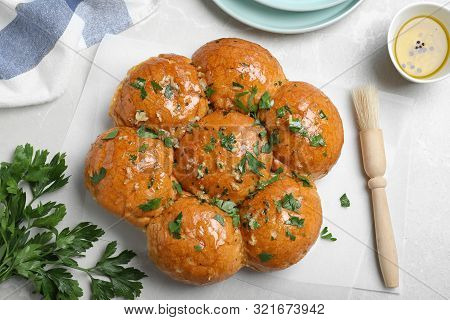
(372, 146)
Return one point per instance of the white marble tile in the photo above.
(350, 52)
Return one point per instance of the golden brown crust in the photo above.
(206, 251)
(137, 170)
(272, 238)
(157, 108)
(224, 154)
(229, 60)
(318, 116)
(206, 168)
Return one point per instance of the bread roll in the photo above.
(280, 224)
(223, 158)
(237, 69)
(129, 175)
(162, 92)
(195, 242)
(306, 128)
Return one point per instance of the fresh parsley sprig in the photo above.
(49, 256)
(253, 163)
(229, 207)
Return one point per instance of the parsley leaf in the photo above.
(42, 176)
(303, 179)
(175, 226)
(290, 235)
(168, 92)
(254, 224)
(98, 175)
(264, 183)
(168, 142)
(122, 281)
(295, 221)
(281, 111)
(139, 84)
(177, 187)
(251, 100)
(266, 148)
(274, 138)
(279, 170)
(263, 133)
(227, 141)
(324, 234)
(210, 146)
(111, 135)
(237, 85)
(254, 164)
(317, 141)
(345, 202)
(239, 103)
(48, 257)
(143, 147)
(209, 91)
(201, 171)
(264, 256)
(295, 125)
(322, 115)
(230, 208)
(265, 102)
(150, 205)
(256, 148)
(133, 157)
(219, 219)
(241, 167)
(289, 202)
(198, 248)
(156, 87)
(144, 132)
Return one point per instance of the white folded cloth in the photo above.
(40, 38)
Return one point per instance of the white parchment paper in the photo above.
(348, 262)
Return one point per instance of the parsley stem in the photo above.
(7, 248)
(32, 246)
(87, 271)
(6, 274)
(61, 264)
(35, 197)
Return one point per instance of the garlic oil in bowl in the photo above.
(421, 46)
(418, 42)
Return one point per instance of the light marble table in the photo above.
(350, 52)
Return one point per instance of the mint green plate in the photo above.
(300, 5)
(279, 21)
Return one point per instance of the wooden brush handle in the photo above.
(387, 252)
(374, 160)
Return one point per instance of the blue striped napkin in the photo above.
(39, 40)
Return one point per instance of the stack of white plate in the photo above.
(288, 16)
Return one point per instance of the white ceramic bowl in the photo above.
(419, 9)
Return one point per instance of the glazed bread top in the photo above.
(195, 242)
(130, 175)
(163, 92)
(224, 157)
(238, 73)
(307, 128)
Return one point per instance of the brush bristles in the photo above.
(366, 103)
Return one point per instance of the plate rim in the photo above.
(294, 8)
(292, 31)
